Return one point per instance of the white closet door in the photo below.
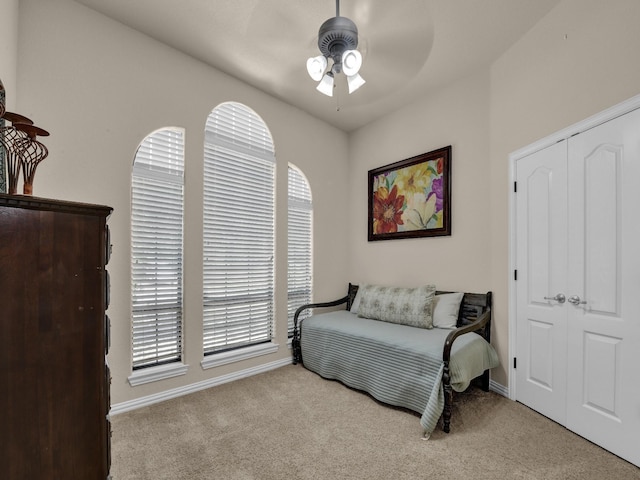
(542, 274)
(603, 387)
(578, 286)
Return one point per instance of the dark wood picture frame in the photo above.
(411, 198)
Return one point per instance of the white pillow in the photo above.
(445, 309)
(356, 301)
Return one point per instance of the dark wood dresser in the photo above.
(54, 378)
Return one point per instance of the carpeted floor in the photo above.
(291, 424)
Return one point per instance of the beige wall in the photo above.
(542, 84)
(100, 88)
(579, 60)
(456, 116)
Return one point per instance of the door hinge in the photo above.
(515, 187)
(515, 274)
(514, 362)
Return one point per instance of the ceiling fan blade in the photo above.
(287, 26)
(395, 36)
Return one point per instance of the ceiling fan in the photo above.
(393, 38)
(337, 41)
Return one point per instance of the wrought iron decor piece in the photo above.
(411, 198)
(10, 136)
(21, 151)
(30, 152)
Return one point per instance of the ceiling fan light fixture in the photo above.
(338, 40)
(351, 62)
(316, 67)
(326, 85)
(355, 82)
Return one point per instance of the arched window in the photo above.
(239, 230)
(299, 275)
(156, 249)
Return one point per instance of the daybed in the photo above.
(380, 345)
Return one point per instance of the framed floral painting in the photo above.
(411, 198)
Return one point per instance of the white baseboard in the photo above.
(498, 388)
(194, 387)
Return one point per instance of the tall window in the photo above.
(156, 248)
(299, 244)
(239, 230)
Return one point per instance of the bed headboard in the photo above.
(351, 295)
(473, 305)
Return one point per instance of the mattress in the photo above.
(396, 364)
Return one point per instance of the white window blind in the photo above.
(156, 249)
(299, 245)
(239, 230)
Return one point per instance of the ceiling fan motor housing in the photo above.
(335, 36)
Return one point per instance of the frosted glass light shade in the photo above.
(351, 62)
(326, 85)
(316, 67)
(355, 82)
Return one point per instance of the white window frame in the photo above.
(299, 245)
(157, 233)
(238, 236)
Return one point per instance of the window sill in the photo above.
(154, 374)
(218, 359)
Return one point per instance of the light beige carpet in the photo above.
(291, 424)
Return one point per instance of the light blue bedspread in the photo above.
(396, 364)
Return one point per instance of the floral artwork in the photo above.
(411, 198)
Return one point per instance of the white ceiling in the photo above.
(409, 46)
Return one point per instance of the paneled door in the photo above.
(542, 279)
(578, 261)
(603, 391)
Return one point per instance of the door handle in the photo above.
(575, 299)
(560, 298)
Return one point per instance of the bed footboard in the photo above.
(479, 325)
